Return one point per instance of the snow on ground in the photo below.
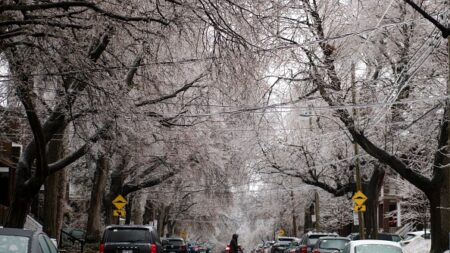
(418, 245)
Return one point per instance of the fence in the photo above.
(71, 239)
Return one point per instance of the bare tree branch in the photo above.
(172, 95)
(67, 5)
(445, 31)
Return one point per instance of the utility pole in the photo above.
(294, 221)
(448, 119)
(356, 151)
(317, 210)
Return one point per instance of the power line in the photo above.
(208, 58)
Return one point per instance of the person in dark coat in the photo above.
(234, 244)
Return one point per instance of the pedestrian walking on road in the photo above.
(234, 244)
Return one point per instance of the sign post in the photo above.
(119, 202)
(359, 199)
(183, 234)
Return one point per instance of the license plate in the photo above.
(127, 251)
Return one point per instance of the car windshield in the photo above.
(409, 236)
(285, 239)
(13, 244)
(313, 239)
(333, 244)
(127, 235)
(283, 243)
(175, 242)
(377, 248)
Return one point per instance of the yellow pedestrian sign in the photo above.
(119, 213)
(360, 208)
(183, 234)
(281, 232)
(119, 202)
(359, 198)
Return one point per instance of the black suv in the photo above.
(130, 239)
(174, 245)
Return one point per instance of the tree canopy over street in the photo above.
(217, 116)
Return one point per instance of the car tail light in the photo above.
(101, 249)
(227, 248)
(153, 248)
(304, 249)
(316, 251)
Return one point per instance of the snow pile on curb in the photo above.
(418, 245)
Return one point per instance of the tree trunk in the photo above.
(163, 218)
(439, 237)
(149, 212)
(439, 212)
(108, 208)
(129, 208)
(24, 194)
(138, 214)
(94, 225)
(54, 202)
(115, 188)
(21, 202)
(373, 192)
(54, 191)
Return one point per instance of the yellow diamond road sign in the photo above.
(360, 208)
(183, 234)
(359, 198)
(119, 212)
(119, 202)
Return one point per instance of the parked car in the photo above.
(370, 246)
(294, 247)
(195, 247)
(330, 244)
(174, 245)
(384, 237)
(14, 240)
(352, 236)
(268, 246)
(411, 236)
(130, 239)
(259, 248)
(309, 240)
(282, 244)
